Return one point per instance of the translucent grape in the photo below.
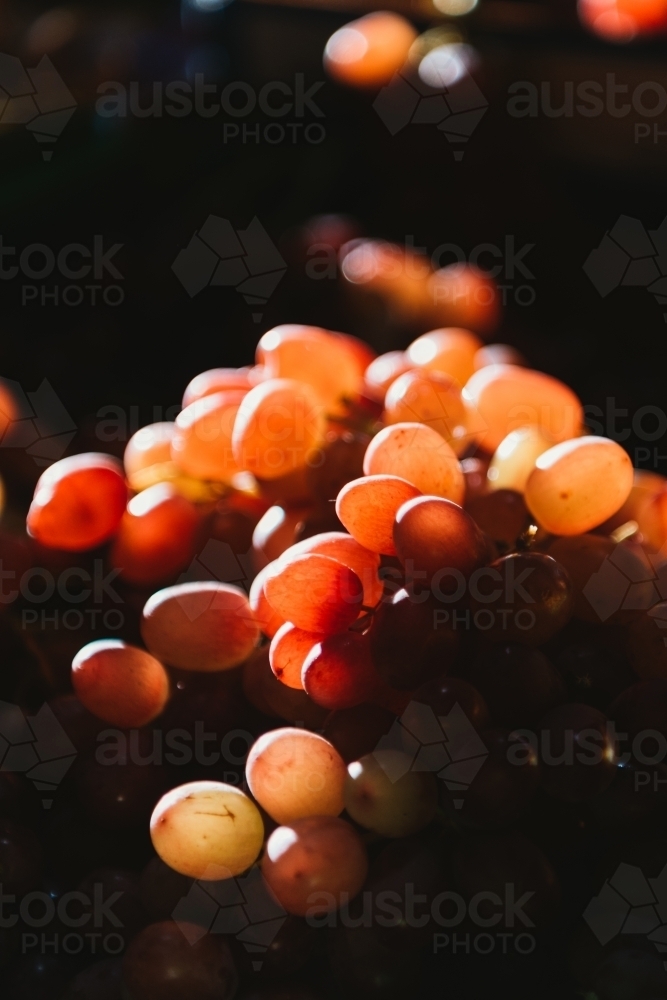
(314, 592)
(289, 648)
(498, 354)
(315, 865)
(149, 447)
(367, 507)
(431, 398)
(202, 441)
(450, 350)
(119, 683)
(514, 458)
(270, 696)
(418, 454)
(267, 618)
(338, 672)
(348, 551)
(207, 830)
(464, 296)
(396, 275)
(216, 380)
(294, 773)
(439, 539)
(275, 531)
(383, 794)
(384, 370)
(367, 52)
(502, 515)
(564, 490)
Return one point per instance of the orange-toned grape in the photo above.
(339, 671)
(121, 684)
(506, 397)
(474, 474)
(464, 296)
(267, 618)
(348, 551)
(578, 484)
(498, 354)
(149, 446)
(450, 350)
(270, 696)
(216, 380)
(363, 353)
(156, 537)
(328, 362)
(622, 20)
(315, 865)
(279, 425)
(514, 458)
(78, 503)
(367, 507)
(314, 592)
(275, 532)
(289, 648)
(9, 407)
(202, 442)
(203, 626)
(440, 540)
(643, 507)
(431, 398)
(367, 52)
(418, 454)
(397, 275)
(384, 370)
(207, 830)
(293, 773)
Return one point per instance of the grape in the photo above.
(640, 712)
(216, 380)
(595, 674)
(474, 475)
(502, 515)
(431, 398)
(498, 354)
(577, 752)
(200, 626)
(294, 773)
(314, 865)
(523, 597)
(518, 684)
(418, 454)
(275, 532)
(596, 594)
(644, 643)
(409, 641)
(367, 507)
(119, 683)
(339, 672)
(506, 397)
(450, 350)
(563, 490)
(78, 503)
(437, 541)
(384, 370)
(643, 506)
(393, 276)
(327, 362)
(170, 961)
(120, 786)
(441, 694)
(161, 889)
(202, 441)
(340, 460)
(367, 52)
(348, 551)
(289, 648)
(314, 592)
(207, 830)
(127, 915)
(515, 457)
(465, 296)
(356, 731)
(156, 537)
(101, 981)
(273, 698)
(279, 425)
(147, 449)
(269, 620)
(382, 794)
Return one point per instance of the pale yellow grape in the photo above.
(514, 458)
(294, 773)
(382, 794)
(207, 830)
(578, 484)
(418, 454)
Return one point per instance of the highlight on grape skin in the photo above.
(383, 794)
(147, 453)
(294, 773)
(315, 865)
(207, 830)
(314, 592)
(119, 683)
(202, 441)
(367, 507)
(203, 626)
(345, 549)
(417, 453)
(288, 650)
(367, 52)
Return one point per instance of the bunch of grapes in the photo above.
(427, 538)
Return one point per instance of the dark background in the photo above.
(150, 183)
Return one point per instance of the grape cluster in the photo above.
(412, 677)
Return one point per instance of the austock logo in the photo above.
(36, 98)
(630, 903)
(220, 256)
(216, 563)
(36, 746)
(242, 907)
(628, 580)
(447, 745)
(442, 94)
(38, 423)
(629, 255)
